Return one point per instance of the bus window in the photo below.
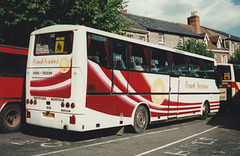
(208, 68)
(139, 60)
(12, 64)
(98, 49)
(119, 55)
(194, 67)
(224, 72)
(237, 73)
(160, 61)
(54, 43)
(179, 65)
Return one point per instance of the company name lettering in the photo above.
(45, 61)
(195, 85)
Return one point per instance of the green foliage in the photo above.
(20, 18)
(193, 46)
(235, 59)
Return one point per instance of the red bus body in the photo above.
(12, 75)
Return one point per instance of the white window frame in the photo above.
(218, 44)
(161, 37)
(143, 38)
(181, 39)
(224, 59)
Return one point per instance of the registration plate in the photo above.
(50, 115)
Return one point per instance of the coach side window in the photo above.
(12, 64)
(160, 61)
(139, 57)
(237, 73)
(208, 68)
(195, 67)
(179, 65)
(98, 49)
(119, 55)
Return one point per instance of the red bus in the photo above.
(12, 81)
(82, 79)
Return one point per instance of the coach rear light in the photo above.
(27, 101)
(62, 104)
(67, 104)
(28, 114)
(31, 101)
(72, 105)
(72, 119)
(35, 102)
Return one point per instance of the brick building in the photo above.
(170, 34)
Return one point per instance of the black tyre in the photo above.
(205, 111)
(10, 119)
(141, 119)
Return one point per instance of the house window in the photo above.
(181, 39)
(161, 38)
(142, 38)
(218, 44)
(130, 36)
(224, 59)
(206, 42)
(233, 50)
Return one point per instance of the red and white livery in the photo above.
(230, 83)
(82, 79)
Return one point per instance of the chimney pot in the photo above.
(194, 13)
(194, 20)
(125, 11)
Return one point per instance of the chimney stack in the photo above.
(194, 20)
(125, 11)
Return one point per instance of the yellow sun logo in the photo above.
(64, 65)
(158, 87)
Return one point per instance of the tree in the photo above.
(235, 59)
(193, 46)
(20, 18)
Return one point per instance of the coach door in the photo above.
(120, 73)
(179, 68)
(173, 97)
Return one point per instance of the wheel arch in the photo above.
(204, 114)
(208, 103)
(148, 110)
(8, 103)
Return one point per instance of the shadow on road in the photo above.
(62, 135)
(67, 135)
(228, 119)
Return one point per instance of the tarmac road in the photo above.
(217, 135)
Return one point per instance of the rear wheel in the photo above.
(140, 119)
(10, 118)
(205, 111)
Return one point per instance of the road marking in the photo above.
(181, 153)
(204, 141)
(176, 142)
(105, 142)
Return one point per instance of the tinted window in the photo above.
(119, 55)
(224, 72)
(139, 58)
(98, 49)
(12, 64)
(53, 43)
(179, 65)
(160, 61)
(208, 68)
(195, 67)
(237, 73)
